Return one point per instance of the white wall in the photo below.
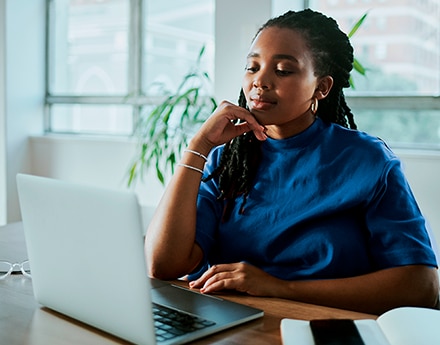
(92, 161)
(22, 61)
(423, 170)
(96, 161)
(234, 31)
(2, 114)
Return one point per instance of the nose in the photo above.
(261, 80)
(260, 84)
(261, 88)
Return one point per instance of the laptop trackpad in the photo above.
(177, 297)
(208, 307)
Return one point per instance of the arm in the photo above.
(376, 292)
(170, 242)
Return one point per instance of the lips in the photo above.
(261, 103)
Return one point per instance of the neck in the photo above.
(292, 128)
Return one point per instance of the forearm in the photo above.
(373, 293)
(170, 241)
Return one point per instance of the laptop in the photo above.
(86, 254)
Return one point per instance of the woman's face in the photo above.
(280, 84)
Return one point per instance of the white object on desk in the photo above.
(400, 326)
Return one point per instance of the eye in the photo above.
(251, 69)
(283, 72)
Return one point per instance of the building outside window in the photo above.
(399, 44)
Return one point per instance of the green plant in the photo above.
(165, 131)
(357, 66)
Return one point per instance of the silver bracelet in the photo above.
(190, 167)
(197, 154)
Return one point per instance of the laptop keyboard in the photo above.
(170, 323)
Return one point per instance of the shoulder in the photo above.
(214, 156)
(356, 153)
(358, 143)
(210, 177)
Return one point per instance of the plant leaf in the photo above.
(358, 67)
(202, 51)
(350, 80)
(357, 25)
(132, 174)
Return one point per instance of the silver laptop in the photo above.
(85, 246)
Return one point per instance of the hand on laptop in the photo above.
(241, 277)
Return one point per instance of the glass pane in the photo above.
(175, 32)
(281, 6)
(89, 47)
(399, 44)
(84, 118)
(406, 129)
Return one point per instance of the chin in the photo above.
(263, 118)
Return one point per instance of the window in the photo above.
(398, 99)
(399, 43)
(106, 58)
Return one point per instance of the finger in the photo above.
(234, 112)
(238, 121)
(211, 272)
(217, 285)
(220, 281)
(199, 282)
(260, 134)
(249, 123)
(259, 131)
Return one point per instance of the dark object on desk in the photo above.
(85, 247)
(335, 332)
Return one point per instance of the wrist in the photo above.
(200, 146)
(284, 289)
(196, 153)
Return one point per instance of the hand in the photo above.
(220, 128)
(242, 277)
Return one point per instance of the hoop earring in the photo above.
(314, 106)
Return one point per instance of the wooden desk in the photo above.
(23, 321)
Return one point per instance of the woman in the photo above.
(294, 204)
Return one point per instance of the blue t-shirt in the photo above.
(327, 203)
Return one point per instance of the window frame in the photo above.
(402, 102)
(134, 96)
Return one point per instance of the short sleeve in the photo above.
(398, 234)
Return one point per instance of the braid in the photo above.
(237, 168)
(332, 56)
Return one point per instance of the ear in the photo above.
(323, 88)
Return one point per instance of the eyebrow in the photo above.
(276, 57)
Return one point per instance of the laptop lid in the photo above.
(85, 247)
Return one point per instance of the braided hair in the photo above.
(332, 55)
